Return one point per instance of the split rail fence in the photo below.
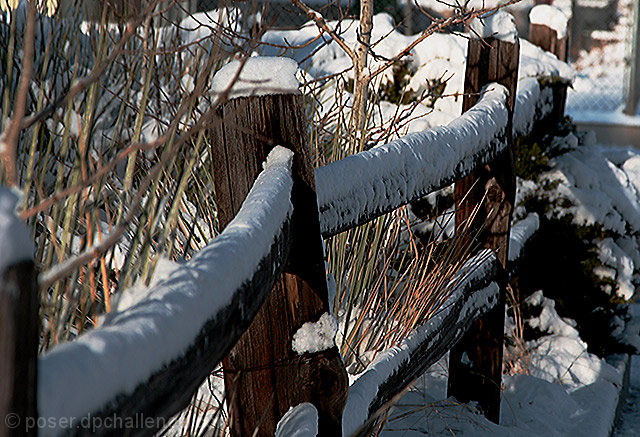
(240, 300)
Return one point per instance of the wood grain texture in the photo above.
(264, 374)
(547, 39)
(491, 187)
(19, 337)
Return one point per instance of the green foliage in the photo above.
(567, 275)
(530, 160)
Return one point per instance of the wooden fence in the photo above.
(241, 299)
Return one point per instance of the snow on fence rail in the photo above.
(172, 337)
(187, 322)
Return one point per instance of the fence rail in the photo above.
(134, 361)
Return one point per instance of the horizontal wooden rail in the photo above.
(364, 186)
(132, 364)
(396, 368)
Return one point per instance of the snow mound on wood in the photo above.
(316, 336)
(257, 76)
(138, 341)
(551, 17)
(499, 25)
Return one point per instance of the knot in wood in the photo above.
(494, 193)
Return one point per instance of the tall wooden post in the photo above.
(475, 363)
(547, 38)
(19, 336)
(263, 375)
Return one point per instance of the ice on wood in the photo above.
(315, 336)
(551, 17)
(134, 343)
(15, 240)
(499, 25)
(258, 76)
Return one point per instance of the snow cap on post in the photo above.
(550, 16)
(499, 25)
(259, 76)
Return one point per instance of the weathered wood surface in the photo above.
(158, 398)
(493, 188)
(547, 39)
(19, 339)
(263, 375)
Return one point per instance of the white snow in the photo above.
(389, 175)
(600, 191)
(299, 421)
(16, 244)
(316, 336)
(569, 392)
(134, 343)
(259, 76)
(629, 424)
(521, 231)
(499, 25)
(535, 62)
(447, 7)
(551, 17)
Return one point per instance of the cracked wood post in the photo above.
(475, 363)
(548, 38)
(19, 336)
(263, 375)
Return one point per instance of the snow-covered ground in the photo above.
(629, 420)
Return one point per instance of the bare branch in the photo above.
(317, 18)
(9, 139)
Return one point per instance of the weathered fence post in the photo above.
(263, 375)
(475, 363)
(549, 30)
(19, 328)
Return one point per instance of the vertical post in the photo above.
(634, 71)
(263, 375)
(554, 40)
(475, 363)
(19, 326)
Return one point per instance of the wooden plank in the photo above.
(437, 337)
(475, 363)
(263, 373)
(19, 337)
(157, 398)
